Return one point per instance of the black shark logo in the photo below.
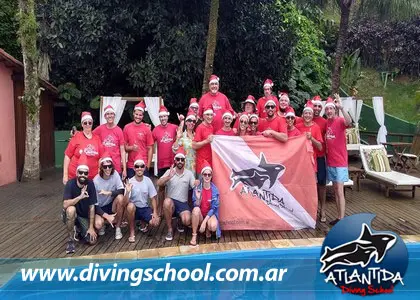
(359, 251)
(256, 177)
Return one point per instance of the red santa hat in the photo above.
(270, 102)
(109, 109)
(253, 116)
(309, 106)
(330, 102)
(180, 152)
(268, 83)
(214, 78)
(290, 112)
(206, 167)
(227, 113)
(244, 116)
(284, 94)
(86, 116)
(163, 111)
(83, 162)
(193, 102)
(105, 157)
(139, 160)
(317, 100)
(140, 106)
(250, 99)
(208, 109)
(190, 115)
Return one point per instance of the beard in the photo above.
(82, 180)
(180, 165)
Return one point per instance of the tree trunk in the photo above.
(211, 42)
(341, 42)
(31, 97)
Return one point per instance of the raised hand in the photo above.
(83, 193)
(171, 171)
(128, 187)
(337, 101)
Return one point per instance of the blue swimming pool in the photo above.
(301, 281)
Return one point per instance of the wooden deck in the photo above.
(30, 225)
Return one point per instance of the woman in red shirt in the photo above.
(290, 120)
(82, 142)
(243, 125)
(253, 125)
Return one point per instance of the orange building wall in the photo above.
(7, 128)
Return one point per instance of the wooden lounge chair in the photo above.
(411, 159)
(353, 139)
(377, 168)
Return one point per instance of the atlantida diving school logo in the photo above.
(363, 261)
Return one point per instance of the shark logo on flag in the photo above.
(263, 175)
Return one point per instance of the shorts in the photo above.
(338, 174)
(131, 172)
(81, 223)
(143, 214)
(180, 207)
(161, 172)
(321, 174)
(108, 208)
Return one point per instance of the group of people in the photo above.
(102, 187)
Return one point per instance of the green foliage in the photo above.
(72, 96)
(351, 72)
(9, 27)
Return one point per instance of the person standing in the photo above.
(218, 102)
(273, 126)
(227, 118)
(249, 108)
(337, 157)
(268, 90)
(290, 120)
(112, 139)
(202, 139)
(138, 141)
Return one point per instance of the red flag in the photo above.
(265, 184)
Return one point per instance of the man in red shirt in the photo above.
(218, 101)
(321, 163)
(138, 140)
(268, 88)
(202, 139)
(335, 139)
(112, 139)
(273, 126)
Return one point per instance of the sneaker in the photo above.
(118, 234)
(70, 248)
(101, 231)
(180, 226)
(169, 236)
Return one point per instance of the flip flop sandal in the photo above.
(144, 229)
(132, 239)
(194, 244)
(323, 219)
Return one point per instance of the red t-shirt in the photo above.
(204, 153)
(277, 124)
(223, 132)
(93, 148)
(112, 139)
(293, 132)
(142, 137)
(220, 103)
(165, 138)
(205, 202)
(335, 138)
(261, 105)
(322, 123)
(316, 134)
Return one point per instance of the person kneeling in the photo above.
(206, 206)
(139, 189)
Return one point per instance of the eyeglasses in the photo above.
(253, 123)
(244, 122)
(206, 174)
(270, 106)
(83, 173)
(87, 123)
(180, 159)
(290, 118)
(107, 167)
(139, 166)
(191, 121)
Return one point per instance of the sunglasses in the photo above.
(87, 123)
(290, 118)
(206, 174)
(270, 107)
(139, 166)
(180, 159)
(317, 105)
(191, 121)
(244, 122)
(253, 123)
(86, 173)
(107, 167)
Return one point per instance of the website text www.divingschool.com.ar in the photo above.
(95, 273)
